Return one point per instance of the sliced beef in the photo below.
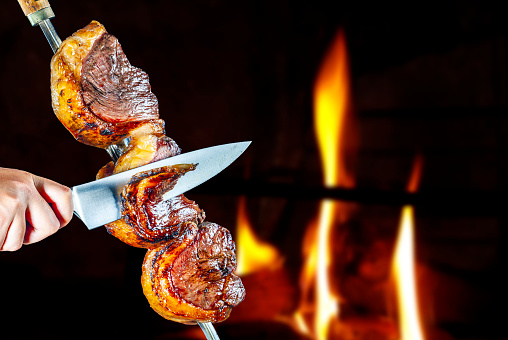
(146, 217)
(203, 273)
(190, 278)
(113, 89)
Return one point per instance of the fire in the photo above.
(327, 303)
(404, 270)
(252, 254)
(331, 108)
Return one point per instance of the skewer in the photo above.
(207, 328)
(39, 13)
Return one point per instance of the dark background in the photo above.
(427, 77)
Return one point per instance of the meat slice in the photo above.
(147, 220)
(113, 89)
(203, 274)
(95, 92)
(191, 278)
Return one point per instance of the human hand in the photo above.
(31, 208)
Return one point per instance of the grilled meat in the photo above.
(188, 272)
(147, 220)
(191, 277)
(96, 94)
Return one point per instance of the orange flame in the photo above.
(331, 108)
(403, 267)
(252, 254)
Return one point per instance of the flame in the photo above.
(331, 108)
(331, 105)
(403, 267)
(404, 271)
(300, 324)
(327, 303)
(252, 254)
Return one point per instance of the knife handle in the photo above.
(36, 10)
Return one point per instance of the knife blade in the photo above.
(98, 202)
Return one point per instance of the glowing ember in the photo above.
(331, 108)
(252, 254)
(403, 267)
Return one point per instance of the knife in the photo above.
(97, 203)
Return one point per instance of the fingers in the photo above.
(12, 220)
(6, 217)
(42, 220)
(15, 234)
(31, 208)
(48, 211)
(58, 196)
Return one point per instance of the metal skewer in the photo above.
(209, 330)
(50, 33)
(39, 13)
